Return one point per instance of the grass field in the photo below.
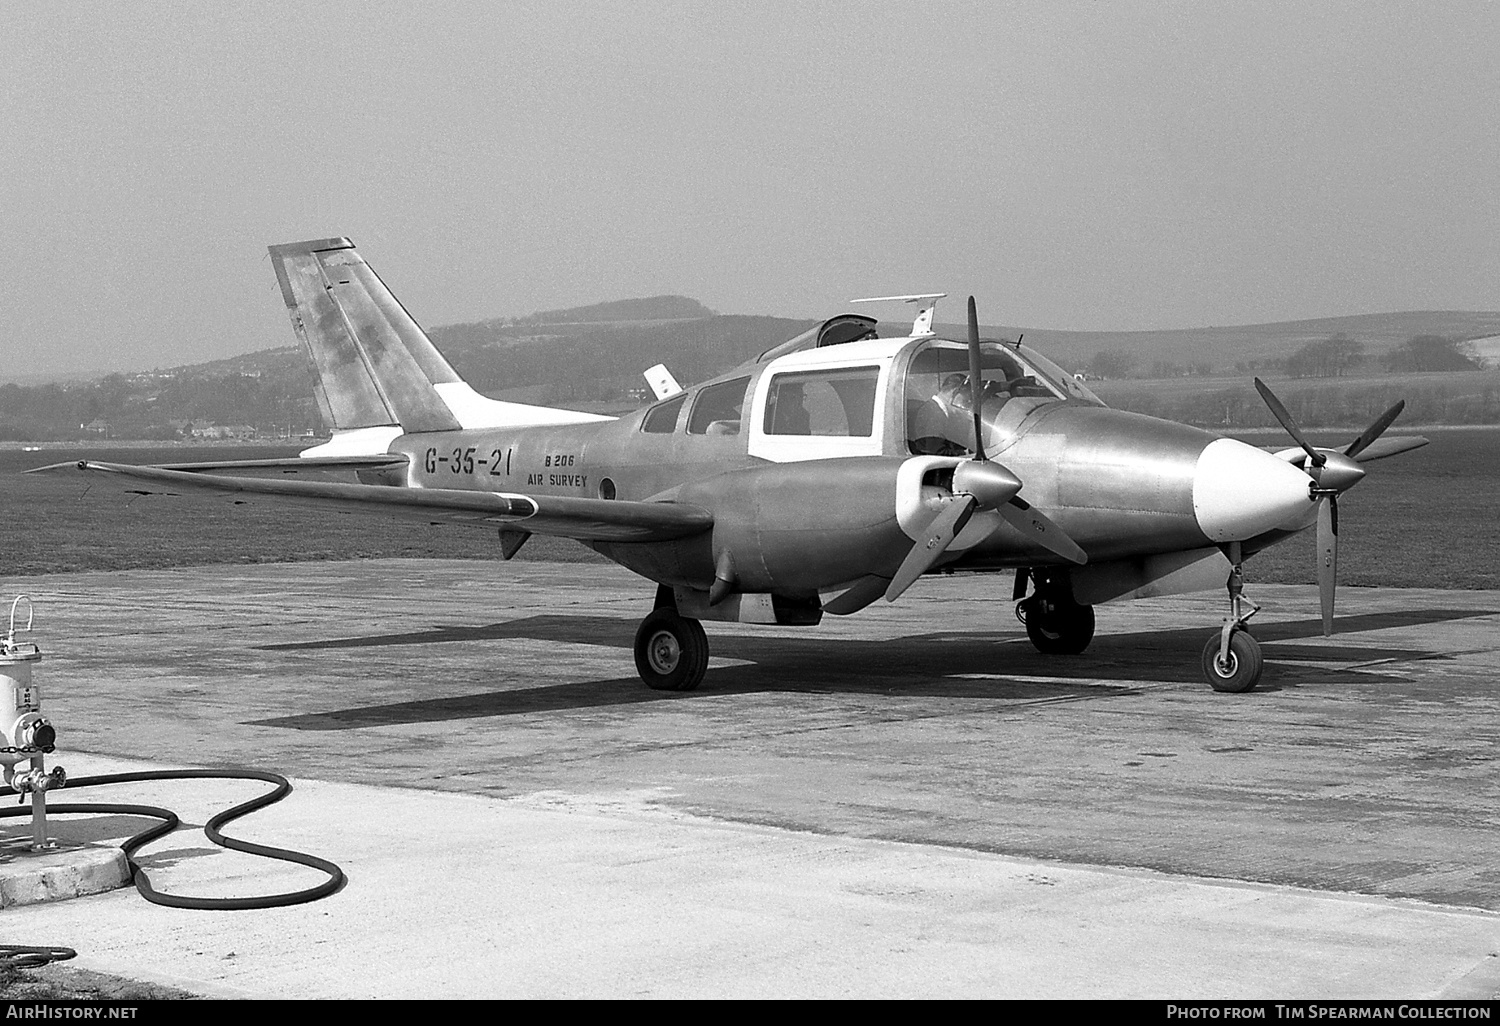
(1422, 519)
(1457, 398)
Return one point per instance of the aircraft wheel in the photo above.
(1059, 628)
(671, 651)
(1242, 672)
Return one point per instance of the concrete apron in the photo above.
(616, 895)
(903, 802)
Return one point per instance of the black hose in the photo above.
(170, 822)
(25, 956)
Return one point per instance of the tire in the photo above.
(671, 651)
(1059, 628)
(1245, 663)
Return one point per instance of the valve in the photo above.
(35, 780)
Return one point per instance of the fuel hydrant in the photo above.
(27, 736)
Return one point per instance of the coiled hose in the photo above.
(170, 822)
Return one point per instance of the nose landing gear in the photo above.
(1232, 660)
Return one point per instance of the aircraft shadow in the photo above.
(722, 681)
(928, 665)
(611, 632)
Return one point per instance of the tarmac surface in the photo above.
(907, 802)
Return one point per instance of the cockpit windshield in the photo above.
(939, 410)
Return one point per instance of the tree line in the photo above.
(604, 363)
(1336, 356)
(601, 362)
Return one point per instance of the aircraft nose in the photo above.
(1340, 473)
(1240, 491)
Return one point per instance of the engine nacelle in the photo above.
(794, 528)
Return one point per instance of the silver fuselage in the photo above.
(804, 512)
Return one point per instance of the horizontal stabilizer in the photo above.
(292, 465)
(562, 516)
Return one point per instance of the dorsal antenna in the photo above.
(922, 326)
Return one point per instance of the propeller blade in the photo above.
(1036, 526)
(976, 389)
(1328, 558)
(1375, 430)
(865, 590)
(940, 534)
(1280, 413)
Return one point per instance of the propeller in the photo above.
(980, 484)
(1374, 431)
(1333, 473)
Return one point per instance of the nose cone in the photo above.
(1339, 473)
(990, 483)
(1240, 491)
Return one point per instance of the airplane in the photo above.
(830, 472)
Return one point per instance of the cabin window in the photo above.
(716, 411)
(838, 402)
(662, 418)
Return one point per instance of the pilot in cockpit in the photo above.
(937, 424)
(949, 392)
(944, 424)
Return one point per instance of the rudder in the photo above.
(375, 365)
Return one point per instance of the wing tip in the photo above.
(66, 465)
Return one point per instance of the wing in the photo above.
(1376, 450)
(563, 516)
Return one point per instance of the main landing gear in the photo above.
(1232, 659)
(671, 650)
(1055, 623)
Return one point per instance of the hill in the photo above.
(1226, 348)
(657, 308)
(605, 361)
(592, 357)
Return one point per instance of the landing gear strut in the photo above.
(671, 650)
(1232, 659)
(1055, 623)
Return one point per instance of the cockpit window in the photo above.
(662, 418)
(1074, 385)
(939, 399)
(838, 402)
(717, 409)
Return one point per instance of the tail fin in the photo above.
(375, 365)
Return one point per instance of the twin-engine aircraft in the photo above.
(830, 472)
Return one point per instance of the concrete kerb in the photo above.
(69, 870)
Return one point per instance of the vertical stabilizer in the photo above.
(378, 372)
(375, 366)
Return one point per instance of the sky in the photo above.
(1084, 166)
